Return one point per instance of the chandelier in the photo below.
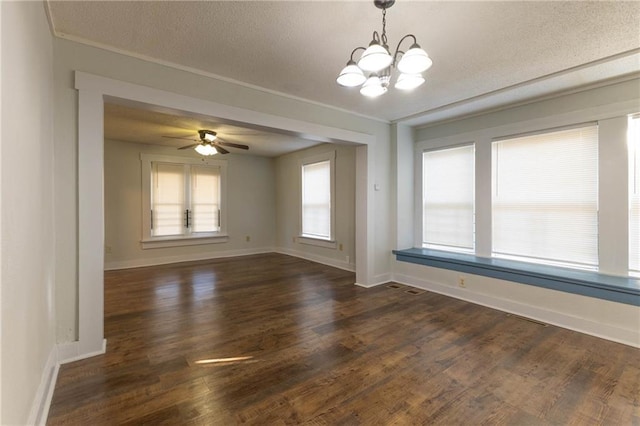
(377, 62)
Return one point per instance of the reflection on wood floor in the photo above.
(271, 339)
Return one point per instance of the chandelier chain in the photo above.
(384, 27)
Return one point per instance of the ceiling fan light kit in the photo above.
(203, 149)
(209, 143)
(377, 61)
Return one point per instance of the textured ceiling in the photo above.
(297, 48)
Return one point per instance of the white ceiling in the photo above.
(486, 54)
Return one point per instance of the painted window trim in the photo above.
(180, 241)
(419, 234)
(318, 242)
(329, 156)
(150, 242)
(586, 283)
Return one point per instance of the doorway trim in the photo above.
(93, 90)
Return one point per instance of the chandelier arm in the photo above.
(395, 55)
(376, 37)
(355, 50)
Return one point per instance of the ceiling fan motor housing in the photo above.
(204, 133)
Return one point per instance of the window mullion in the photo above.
(187, 208)
(172, 191)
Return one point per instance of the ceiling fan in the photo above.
(209, 143)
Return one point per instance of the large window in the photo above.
(545, 197)
(317, 197)
(183, 198)
(633, 140)
(448, 198)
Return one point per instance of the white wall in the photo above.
(289, 201)
(70, 56)
(28, 257)
(608, 105)
(251, 207)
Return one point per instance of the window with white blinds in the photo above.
(448, 180)
(168, 199)
(545, 197)
(185, 199)
(633, 141)
(205, 199)
(316, 200)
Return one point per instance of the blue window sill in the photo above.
(586, 283)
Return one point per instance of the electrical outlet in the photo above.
(461, 282)
(340, 246)
(107, 249)
(247, 238)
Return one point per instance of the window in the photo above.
(184, 199)
(317, 183)
(633, 141)
(545, 197)
(448, 198)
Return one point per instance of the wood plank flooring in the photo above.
(275, 340)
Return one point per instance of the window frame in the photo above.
(613, 234)
(420, 232)
(329, 156)
(148, 241)
(633, 175)
(533, 259)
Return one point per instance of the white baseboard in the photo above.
(70, 351)
(139, 263)
(581, 325)
(377, 280)
(367, 285)
(42, 400)
(61, 353)
(316, 258)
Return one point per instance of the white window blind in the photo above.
(168, 199)
(205, 199)
(448, 198)
(545, 197)
(633, 141)
(316, 200)
(185, 199)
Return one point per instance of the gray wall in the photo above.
(251, 207)
(27, 254)
(288, 203)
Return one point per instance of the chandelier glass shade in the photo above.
(375, 58)
(351, 75)
(374, 68)
(409, 81)
(414, 61)
(373, 87)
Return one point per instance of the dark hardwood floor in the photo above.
(271, 339)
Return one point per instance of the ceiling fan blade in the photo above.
(189, 146)
(220, 149)
(234, 145)
(180, 137)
